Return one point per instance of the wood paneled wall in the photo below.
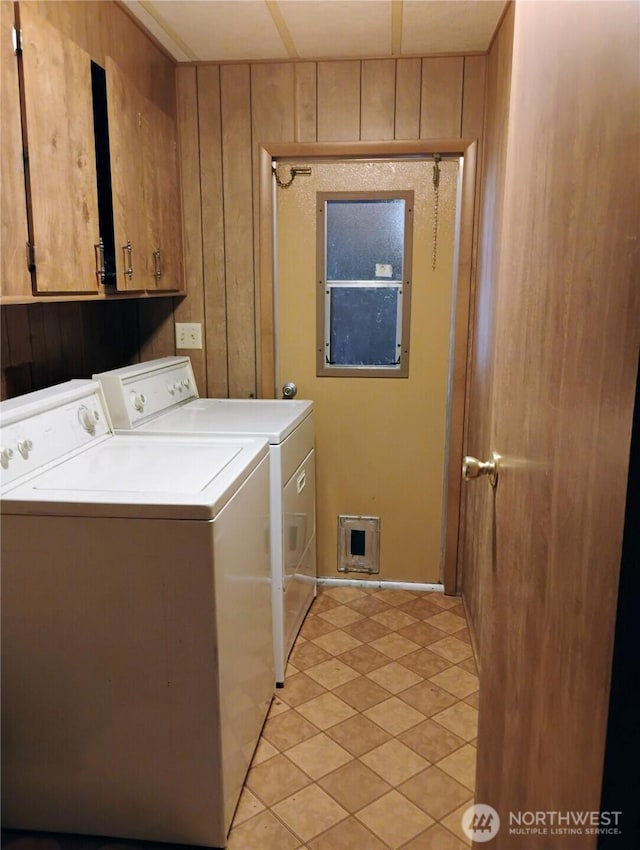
(239, 107)
(46, 343)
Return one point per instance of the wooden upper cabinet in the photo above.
(162, 196)
(145, 187)
(90, 197)
(126, 109)
(15, 280)
(59, 137)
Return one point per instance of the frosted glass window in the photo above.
(364, 266)
(365, 239)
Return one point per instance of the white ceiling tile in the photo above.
(448, 26)
(344, 28)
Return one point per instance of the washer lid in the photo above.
(273, 419)
(132, 476)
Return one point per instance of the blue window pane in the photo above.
(365, 239)
(363, 326)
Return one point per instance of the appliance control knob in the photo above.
(138, 401)
(171, 389)
(186, 383)
(87, 419)
(24, 447)
(5, 457)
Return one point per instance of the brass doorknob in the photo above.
(474, 468)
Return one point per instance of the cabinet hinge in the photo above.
(31, 256)
(17, 40)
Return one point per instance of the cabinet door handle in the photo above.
(128, 259)
(100, 269)
(157, 264)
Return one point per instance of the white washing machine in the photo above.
(161, 397)
(133, 693)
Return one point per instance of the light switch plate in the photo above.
(188, 335)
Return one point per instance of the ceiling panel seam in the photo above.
(397, 11)
(283, 29)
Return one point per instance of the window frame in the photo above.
(323, 368)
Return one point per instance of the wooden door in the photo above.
(61, 150)
(15, 279)
(563, 357)
(381, 441)
(126, 108)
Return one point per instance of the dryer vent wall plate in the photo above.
(359, 544)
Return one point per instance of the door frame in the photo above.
(265, 306)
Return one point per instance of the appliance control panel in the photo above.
(40, 428)
(138, 393)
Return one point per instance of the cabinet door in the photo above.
(162, 195)
(58, 113)
(15, 279)
(126, 109)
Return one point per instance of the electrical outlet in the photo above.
(188, 335)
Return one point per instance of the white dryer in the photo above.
(161, 397)
(133, 693)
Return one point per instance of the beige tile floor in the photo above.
(371, 742)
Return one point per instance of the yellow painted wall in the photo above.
(380, 441)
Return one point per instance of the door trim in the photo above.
(265, 323)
